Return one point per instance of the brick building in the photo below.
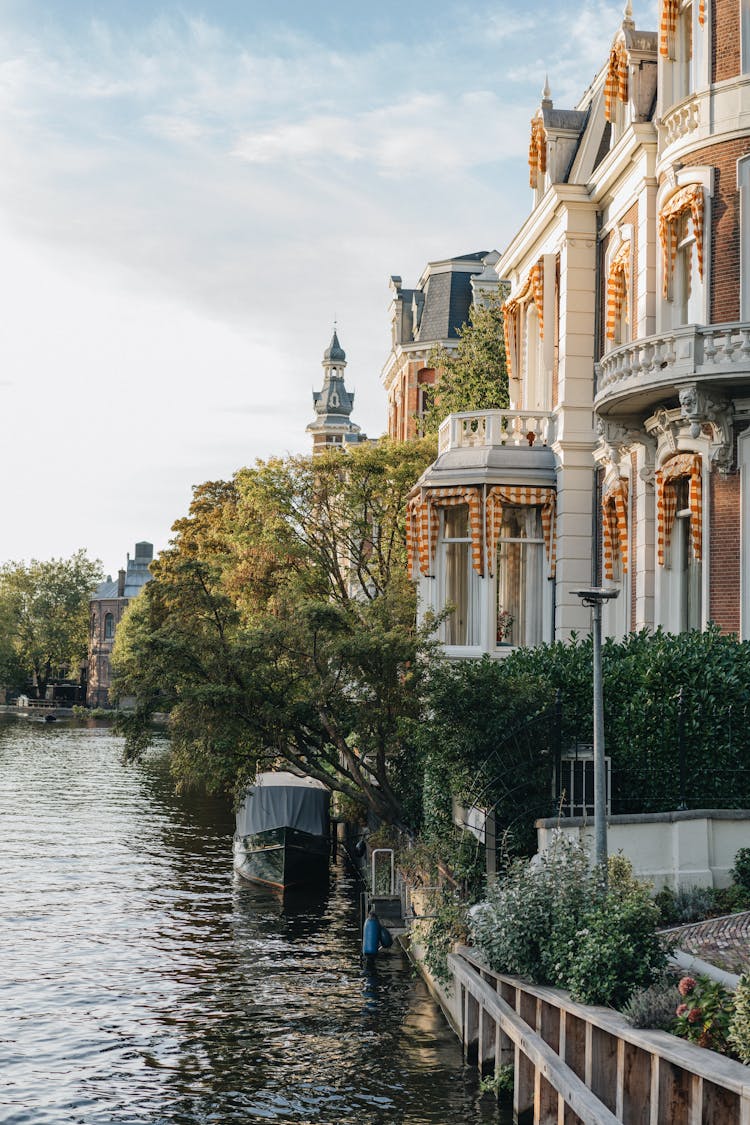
(421, 318)
(625, 456)
(107, 606)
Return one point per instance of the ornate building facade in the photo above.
(422, 318)
(625, 456)
(106, 608)
(333, 404)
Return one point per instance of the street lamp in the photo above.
(594, 598)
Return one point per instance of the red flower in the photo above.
(694, 1015)
(687, 984)
(681, 1009)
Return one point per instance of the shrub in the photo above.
(703, 1016)
(652, 1006)
(739, 1025)
(741, 870)
(554, 921)
(446, 925)
(685, 904)
(731, 900)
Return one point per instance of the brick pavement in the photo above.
(724, 942)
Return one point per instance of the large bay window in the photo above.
(461, 586)
(520, 578)
(679, 542)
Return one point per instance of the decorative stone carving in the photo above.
(704, 409)
(617, 438)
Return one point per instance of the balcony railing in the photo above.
(680, 121)
(521, 428)
(676, 356)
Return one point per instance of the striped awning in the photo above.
(501, 495)
(423, 525)
(533, 290)
(683, 465)
(537, 150)
(616, 84)
(687, 199)
(670, 11)
(615, 525)
(618, 286)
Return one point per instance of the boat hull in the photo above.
(281, 858)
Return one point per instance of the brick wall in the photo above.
(724, 576)
(725, 225)
(725, 48)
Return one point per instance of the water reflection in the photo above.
(143, 983)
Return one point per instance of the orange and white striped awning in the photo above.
(533, 290)
(501, 495)
(670, 11)
(537, 149)
(687, 199)
(618, 286)
(683, 465)
(615, 525)
(616, 84)
(423, 525)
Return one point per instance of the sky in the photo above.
(192, 193)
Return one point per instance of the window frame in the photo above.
(537, 541)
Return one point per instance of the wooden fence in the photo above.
(580, 1064)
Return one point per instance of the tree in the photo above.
(475, 375)
(280, 627)
(44, 613)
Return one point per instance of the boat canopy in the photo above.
(283, 800)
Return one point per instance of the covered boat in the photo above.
(282, 833)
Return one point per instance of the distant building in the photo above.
(107, 607)
(334, 404)
(422, 318)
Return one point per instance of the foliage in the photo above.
(739, 1025)
(44, 615)
(481, 743)
(741, 870)
(731, 900)
(280, 627)
(652, 1006)
(475, 375)
(684, 904)
(704, 1013)
(502, 1081)
(490, 732)
(556, 921)
(445, 926)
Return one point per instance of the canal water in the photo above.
(141, 984)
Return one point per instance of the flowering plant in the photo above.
(504, 625)
(705, 1013)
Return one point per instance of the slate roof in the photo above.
(447, 299)
(137, 575)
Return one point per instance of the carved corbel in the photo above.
(618, 437)
(663, 426)
(704, 409)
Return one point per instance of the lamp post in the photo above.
(594, 597)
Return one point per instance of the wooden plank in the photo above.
(636, 1085)
(674, 1094)
(709, 1065)
(603, 1053)
(529, 1044)
(718, 1105)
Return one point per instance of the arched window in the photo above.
(679, 507)
(109, 627)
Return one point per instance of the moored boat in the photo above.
(282, 832)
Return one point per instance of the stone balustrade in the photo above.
(680, 120)
(521, 428)
(676, 356)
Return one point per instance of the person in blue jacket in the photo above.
(374, 935)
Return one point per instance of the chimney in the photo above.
(121, 583)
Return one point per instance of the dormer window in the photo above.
(334, 399)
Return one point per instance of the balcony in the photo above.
(522, 429)
(648, 371)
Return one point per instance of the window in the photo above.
(684, 79)
(682, 575)
(520, 578)
(534, 397)
(109, 627)
(687, 288)
(462, 586)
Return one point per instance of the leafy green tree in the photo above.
(44, 613)
(475, 375)
(280, 627)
